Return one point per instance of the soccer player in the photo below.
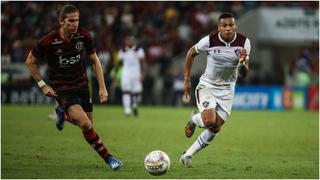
(227, 57)
(132, 58)
(63, 48)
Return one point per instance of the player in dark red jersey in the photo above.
(63, 48)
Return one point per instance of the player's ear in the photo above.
(61, 21)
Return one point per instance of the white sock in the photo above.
(198, 120)
(203, 140)
(135, 100)
(126, 101)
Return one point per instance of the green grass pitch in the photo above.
(252, 144)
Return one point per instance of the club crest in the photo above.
(79, 46)
(205, 104)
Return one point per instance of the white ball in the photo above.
(157, 163)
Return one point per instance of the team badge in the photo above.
(205, 104)
(79, 46)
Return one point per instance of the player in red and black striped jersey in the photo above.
(63, 48)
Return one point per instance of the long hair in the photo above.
(65, 9)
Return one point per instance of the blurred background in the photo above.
(284, 57)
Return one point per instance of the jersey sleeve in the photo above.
(203, 44)
(39, 50)
(89, 44)
(247, 46)
(141, 53)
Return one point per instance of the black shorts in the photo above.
(81, 97)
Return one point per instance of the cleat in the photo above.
(190, 127)
(114, 163)
(135, 112)
(60, 118)
(186, 160)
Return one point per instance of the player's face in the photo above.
(227, 29)
(70, 23)
(129, 40)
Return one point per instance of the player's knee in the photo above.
(208, 118)
(86, 125)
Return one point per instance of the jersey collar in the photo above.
(227, 43)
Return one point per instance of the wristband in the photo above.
(41, 83)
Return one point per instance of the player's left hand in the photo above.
(103, 94)
(242, 55)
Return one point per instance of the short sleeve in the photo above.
(247, 46)
(89, 44)
(39, 50)
(203, 44)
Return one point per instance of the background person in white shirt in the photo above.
(131, 57)
(227, 57)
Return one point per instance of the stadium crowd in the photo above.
(164, 29)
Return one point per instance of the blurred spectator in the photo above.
(302, 69)
(165, 29)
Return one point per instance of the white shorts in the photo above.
(220, 98)
(131, 84)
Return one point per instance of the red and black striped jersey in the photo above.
(67, 70)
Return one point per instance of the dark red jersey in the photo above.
(67, 69)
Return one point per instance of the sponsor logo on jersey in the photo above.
(65, 62)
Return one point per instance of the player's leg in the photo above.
(135, 103)
(71, 105)
(126, 94)
(203, 140)
(206, 105)
(81, 119)
(96, 143)
(136, 91)
(208, 118)
(126, 101)
(91, 135)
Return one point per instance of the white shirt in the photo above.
(222, 58)
(131, 60)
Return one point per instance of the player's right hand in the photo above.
(48, 91)
(186, 98)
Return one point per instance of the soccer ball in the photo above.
(157, 163)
